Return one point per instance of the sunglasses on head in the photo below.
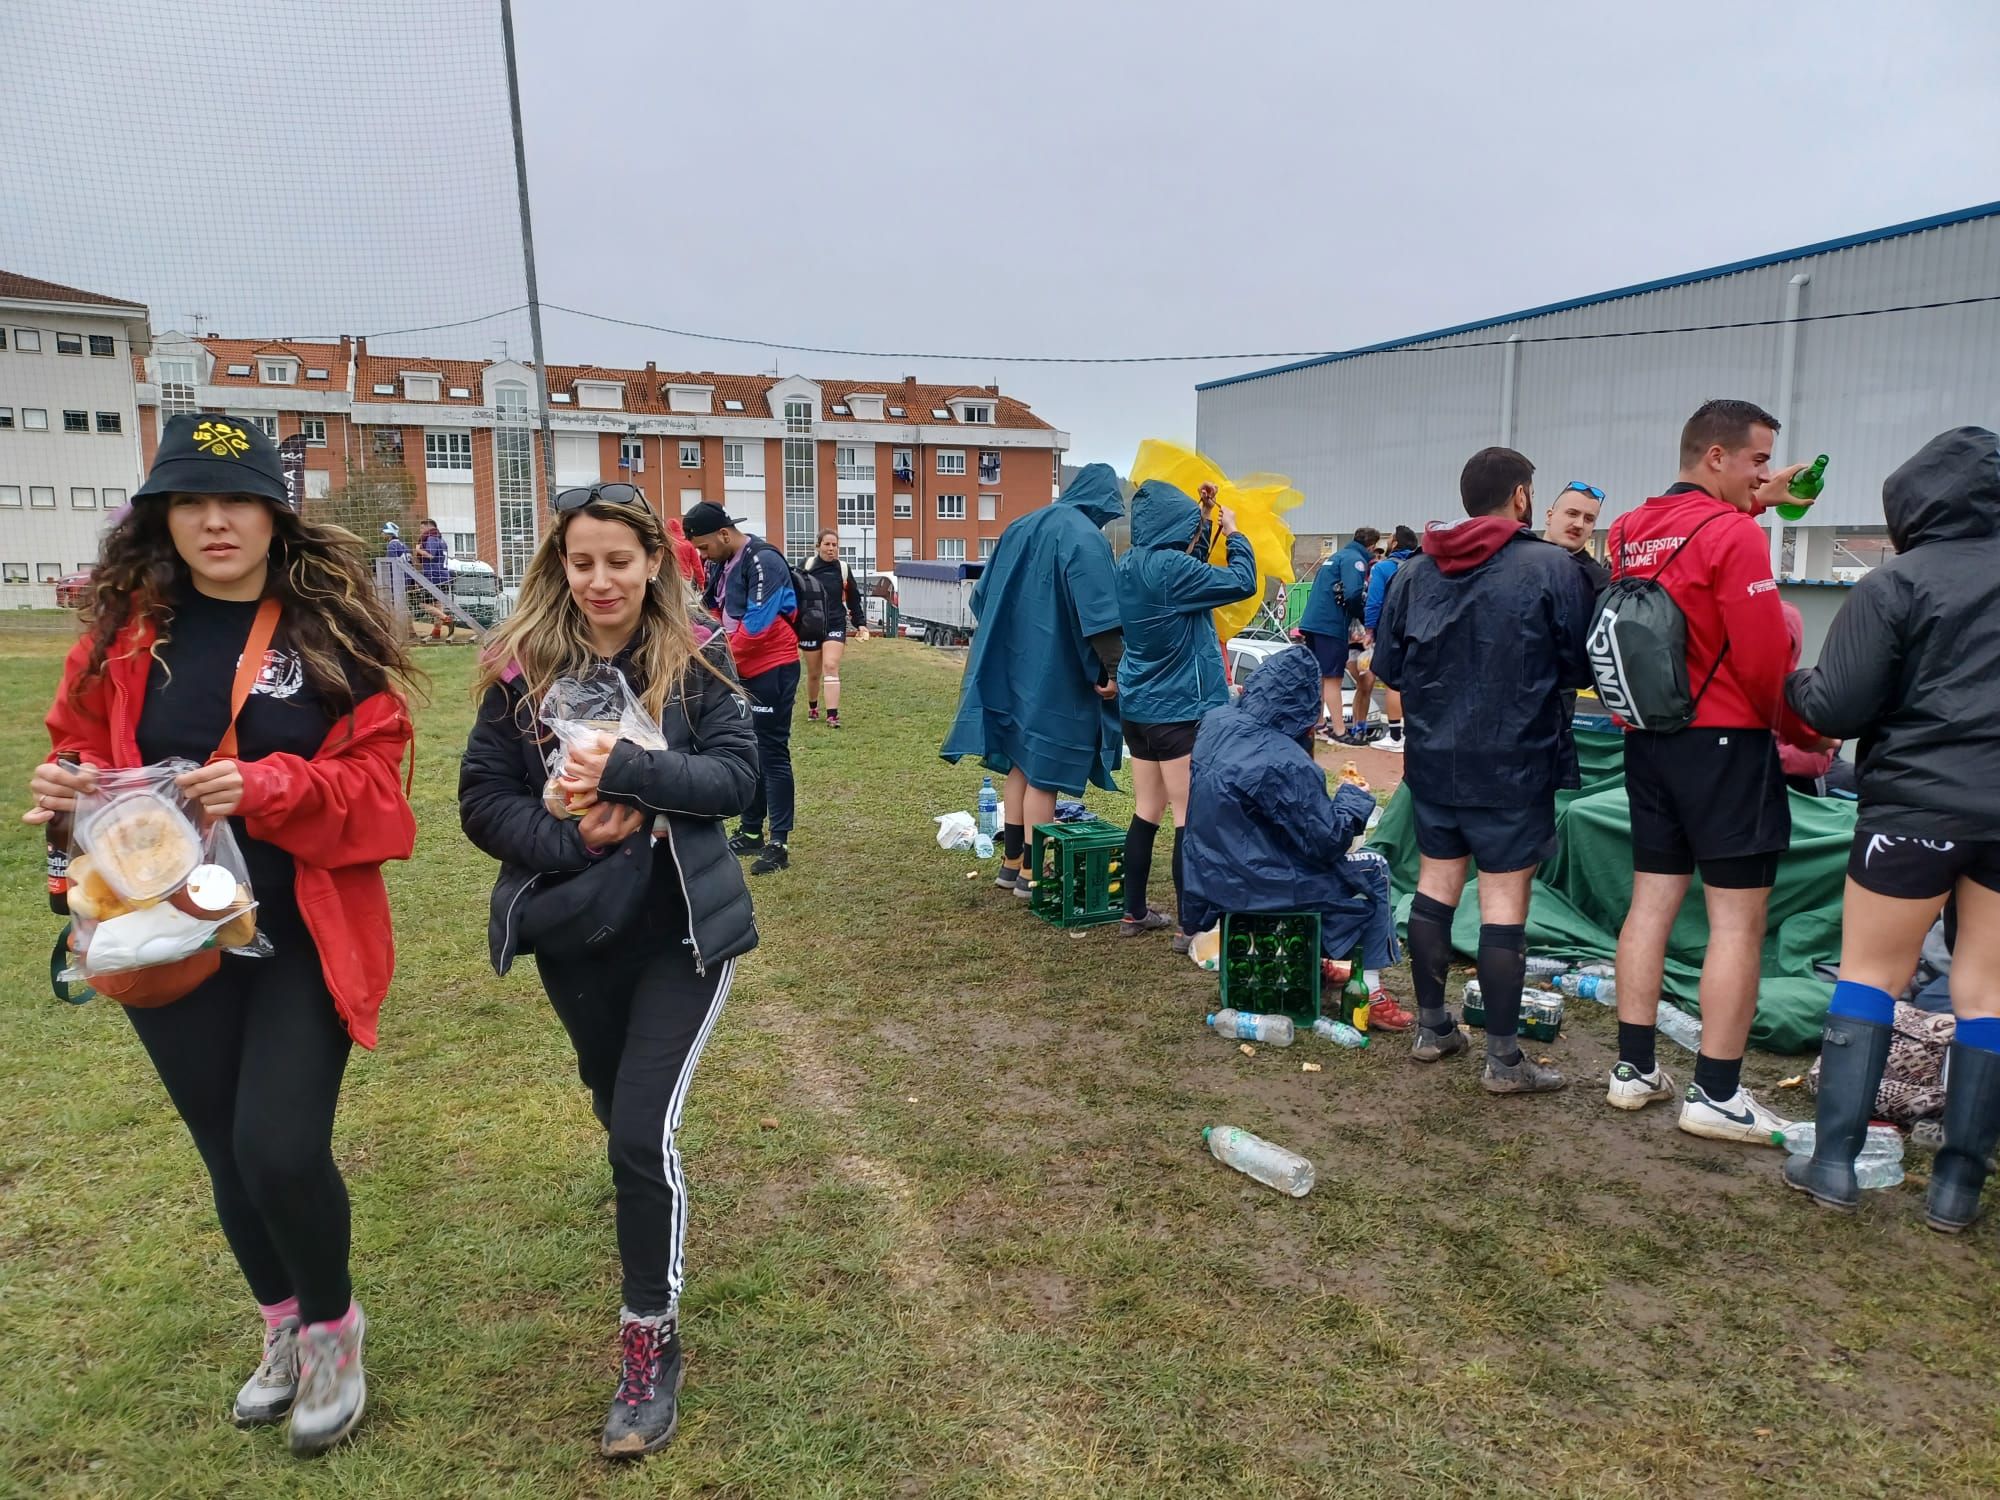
(1585, 489)
(599, 494)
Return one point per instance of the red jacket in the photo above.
(339, 815)
(1724, 587)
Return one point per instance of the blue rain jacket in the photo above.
(1326, 615)
(1379, 578)
(1172, 669)
(1028, 698)
(1262, 833)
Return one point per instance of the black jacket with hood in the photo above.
(707, 773)
(1911, 665)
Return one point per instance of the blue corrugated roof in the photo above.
(1869, 237)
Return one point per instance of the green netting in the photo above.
(1581, 895)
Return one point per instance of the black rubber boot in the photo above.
(1971, 1123)
(1851, 1058)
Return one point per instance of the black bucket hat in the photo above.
(209, 454)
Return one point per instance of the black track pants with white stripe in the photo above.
(639, 1025)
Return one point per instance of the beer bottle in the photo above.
(1804, 489)
(58, 829)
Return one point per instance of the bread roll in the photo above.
(239, 931)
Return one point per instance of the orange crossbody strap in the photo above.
(262, 629)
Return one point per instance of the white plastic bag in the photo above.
(592, 712)
(956, 830)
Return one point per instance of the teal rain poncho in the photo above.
(1028, 697)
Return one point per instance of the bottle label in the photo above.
(58, 871)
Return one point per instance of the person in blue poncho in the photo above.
(1263, 836)
(1036, 702)
(1172, 672)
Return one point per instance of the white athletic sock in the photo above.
(1374, 978)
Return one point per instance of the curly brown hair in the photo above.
(346, 639)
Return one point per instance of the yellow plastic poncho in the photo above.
(1260, 501)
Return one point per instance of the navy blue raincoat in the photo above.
(1262, 833)
(1172, 669)
(1028, 698)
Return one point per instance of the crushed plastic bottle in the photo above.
(1676, 1025)
(1880, 1164)
(1602, 970)
(1331, 1029)
(1599, 987)
(982, 846)
(1256, 1157)
(1248, 1026)
(1546, 968)
(989, 809)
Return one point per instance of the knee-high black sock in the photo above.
(1430, 958)
(1013, 839)
(1503, 966)
(1177, 866)
(1138, 863)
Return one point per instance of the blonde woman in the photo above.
(604, 586)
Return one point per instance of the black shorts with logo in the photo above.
(1161, 741)
(1713, 798)
(1920, 869)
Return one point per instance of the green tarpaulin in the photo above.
(1581, 895)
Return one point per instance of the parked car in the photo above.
(73, 590)
(1247, 652)
(475, 588)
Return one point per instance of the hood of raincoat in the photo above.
(1095, 492)
(1461, 546)
(1949, 491)
(1163, 516)
(1283, 694)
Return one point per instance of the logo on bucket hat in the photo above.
(221, 439)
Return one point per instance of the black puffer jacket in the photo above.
(708, 773)
(1911, 666)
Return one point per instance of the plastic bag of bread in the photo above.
(157, 892)
(592, 711)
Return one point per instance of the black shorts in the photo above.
(831, 635)
(1330, 651)
(1708, 798)
(1499, 839)
(1919, 869)
(1161, 741)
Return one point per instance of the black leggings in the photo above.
(638, 1026)
(253, 1060)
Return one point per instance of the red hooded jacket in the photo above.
(339, 815)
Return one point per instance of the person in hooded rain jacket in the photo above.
(1172, 672)
(1908, 668)
(1403, 547)
(1035, 705)
(1264, 836)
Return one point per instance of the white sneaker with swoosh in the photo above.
(1631, 1089)
(1737, 1118)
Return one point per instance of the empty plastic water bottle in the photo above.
(982, 846)
(1602, 970)
(1546, 968)
(1599, 987)
(1339, 1032)
(1256, 1157)
(989, 809)
(1879, 1165)
(1248, 1026)
(1676, 1025)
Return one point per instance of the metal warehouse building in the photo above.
(1376, 436)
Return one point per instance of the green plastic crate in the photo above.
(1078, 871)
(1284, 982)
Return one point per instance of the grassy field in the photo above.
(954, 1232)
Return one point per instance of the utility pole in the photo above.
(528, 248)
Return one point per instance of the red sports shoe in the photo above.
(1384, 1014)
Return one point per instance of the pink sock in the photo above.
(276, 1312)
(345, 1321)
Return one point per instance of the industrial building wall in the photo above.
(1380, 437)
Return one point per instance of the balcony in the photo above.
(858, 473)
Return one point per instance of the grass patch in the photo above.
(982, 1252)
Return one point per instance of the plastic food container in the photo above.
(142, 843)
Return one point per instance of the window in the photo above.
(459, 393)
(34, 419)
(101, 345)
(313, 430)
(940, 414)
(801, 484)
(731, 405)
(989, 467)
(951, 549)
(989, 507)
(986, 546)
(578, 458)
(514, 479)
(420, 387)
(69, 343)
(113, 499)
(448, 452)
(6, 418)
(383, 390)
(13, 572)
(278, 371)
(632, 455)
(319, 484)
(798, 416)
(47, 572)
(176, 386)
(691, 455)
(10, 497)
(906, 548)
(82, 498)
(315, 374)
(895, 411)
(464, 544)
(109, 421)
(388, 444)
(982, 415)
(732, 459)
(903, 510)
(951, 507)
(904, 467)
(855, 510)
(41, 497)
(28, 340)
(266, 422)
(951, 461)
(839, 410)
(76, 421)
(603, 395)
(3, 338)
(239, 369)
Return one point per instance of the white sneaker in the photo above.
(267, 1395)
(1391, 744)
(1737, 1118)
(333, 1390)
(1631, 1089)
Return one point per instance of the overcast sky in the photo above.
(1028, 179)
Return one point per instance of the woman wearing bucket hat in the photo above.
(210, 556)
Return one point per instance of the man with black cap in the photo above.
(760, 611)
